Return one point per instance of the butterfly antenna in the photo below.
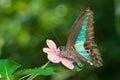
(57, 38)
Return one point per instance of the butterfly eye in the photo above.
(61, 48)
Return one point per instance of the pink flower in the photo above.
(54, 55)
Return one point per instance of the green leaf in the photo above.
(7, 68)
(77, 68)
(38, 71)
(56, 67)
(59, 66)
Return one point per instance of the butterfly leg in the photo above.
(78, 61)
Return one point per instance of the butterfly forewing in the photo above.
(75, 30)
(81, 38)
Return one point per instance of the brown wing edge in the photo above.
(90, 44)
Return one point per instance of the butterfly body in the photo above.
(80, 44)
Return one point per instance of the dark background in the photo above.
(26, 24)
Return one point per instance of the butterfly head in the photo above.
(64, 52)
(62, 49)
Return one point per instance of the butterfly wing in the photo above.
(75, 30)
(90, 45)
(81, 39)
(93, 51)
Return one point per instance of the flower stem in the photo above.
(45, 65)
(24, 76)
(32, 76)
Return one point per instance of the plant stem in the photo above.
(45, 64)
(7, 73)
(24, 76)
(32, 76)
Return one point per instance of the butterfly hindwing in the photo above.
(94, 54)
(90, 45)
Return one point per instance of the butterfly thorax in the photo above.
(64, 52)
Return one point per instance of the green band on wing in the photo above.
(79, 43)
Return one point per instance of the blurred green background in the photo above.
(26, 24)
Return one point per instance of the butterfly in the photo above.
(80, 45)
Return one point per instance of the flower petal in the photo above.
(67, 63)
(51, 44)
(47, 50)
(52, 51)
(53, 58)
(52, 55)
